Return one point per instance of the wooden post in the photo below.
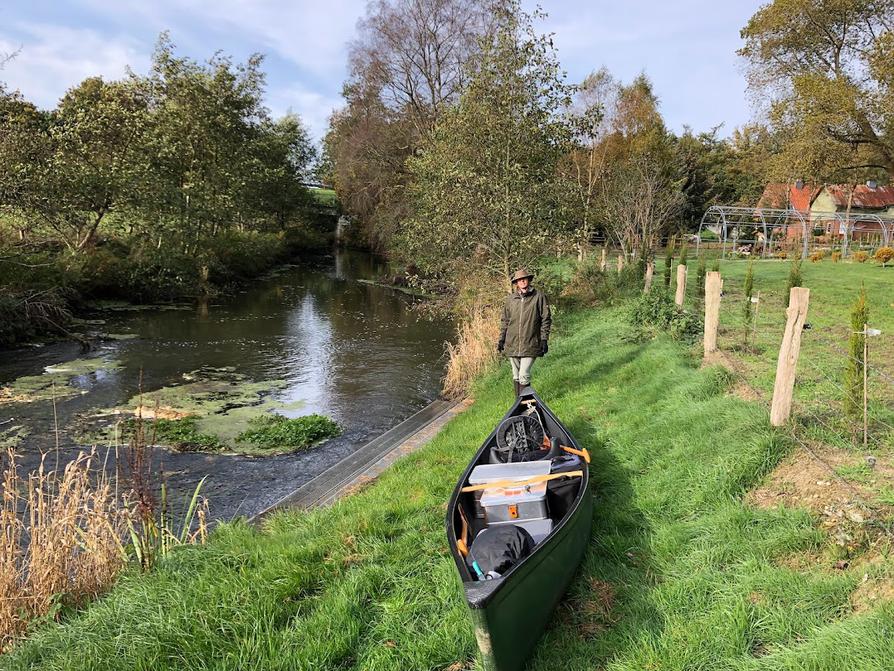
(620, 263)
(603, 263)
(786, 366)
(681, 285)
(712, 310)
(650, 272)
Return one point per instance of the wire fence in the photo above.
(749, 341)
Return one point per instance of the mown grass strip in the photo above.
(680, 574)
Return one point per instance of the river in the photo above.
(311, 338)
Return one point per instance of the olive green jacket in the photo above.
(526, 321)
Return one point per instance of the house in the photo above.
(863, 199)
(797, 196)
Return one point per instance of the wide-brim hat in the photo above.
(521, 274)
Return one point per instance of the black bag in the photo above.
(497, 549)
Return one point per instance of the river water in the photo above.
(359, 353)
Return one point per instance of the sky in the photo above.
(687, 47)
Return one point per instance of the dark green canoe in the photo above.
(511, 612)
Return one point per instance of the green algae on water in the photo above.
(55, 382)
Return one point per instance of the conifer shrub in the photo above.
(860, 257)
(655, 313)
(794, 277)
(853, 373)
(700, 273)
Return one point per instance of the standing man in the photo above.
(524, 332)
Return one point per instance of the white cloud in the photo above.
(55, 58)
(314, 108)
(309, 34)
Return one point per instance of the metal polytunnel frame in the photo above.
(768, 225)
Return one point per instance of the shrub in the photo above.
(860, 257)
(700, 273)
(853, 373)
(668, 261)
(277, 432)
(817, 256)
(836, 257)
(884, 255)
(656, 313)
(794, 277)
(782, 255)
(747, 307)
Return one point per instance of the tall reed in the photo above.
(61, 541)
(475, 348)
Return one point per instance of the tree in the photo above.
(200, 147)
(413, 53)
(587, 160)
(640, 194)
(76, 164)
(828, 66)
(407, 65)
(24, 150)
(485, 183)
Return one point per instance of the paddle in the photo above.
(521, 483)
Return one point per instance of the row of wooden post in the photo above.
(787, 363)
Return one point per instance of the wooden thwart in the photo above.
(522, 483)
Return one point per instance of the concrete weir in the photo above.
(370, 460)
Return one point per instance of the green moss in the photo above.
(180, 434)
(218, 403)
(275, 432)
(54, 382)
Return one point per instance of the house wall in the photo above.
(823, 203)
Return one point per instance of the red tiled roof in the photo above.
(784, 196)
(865, 198)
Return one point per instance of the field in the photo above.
(325, 197)
(682, 572)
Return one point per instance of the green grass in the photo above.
(325, 197)
(680, 574)
(275, 432)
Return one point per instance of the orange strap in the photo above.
(464, 531)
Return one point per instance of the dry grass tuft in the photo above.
(475, 349)
(61, 542)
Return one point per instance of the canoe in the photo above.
(510, 612)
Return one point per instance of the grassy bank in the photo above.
(680, 573)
